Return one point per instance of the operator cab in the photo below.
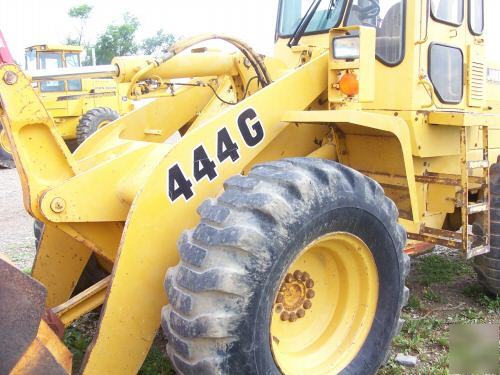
(432, 53)
(53, 57)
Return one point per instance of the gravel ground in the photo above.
(16, 226)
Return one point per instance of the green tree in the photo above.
(117, 40)
(82, 13)
(157, 43)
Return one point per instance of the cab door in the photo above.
(444, 53)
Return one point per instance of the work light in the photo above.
(346, 47)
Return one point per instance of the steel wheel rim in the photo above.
(343, 302)
(102, 124)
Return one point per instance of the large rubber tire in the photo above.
(487, 266)
(93, 120)
(221, 294)
(92, 273)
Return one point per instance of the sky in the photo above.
(29, 22)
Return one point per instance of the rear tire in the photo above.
(223, 292)
(487, 266)
(93, 120)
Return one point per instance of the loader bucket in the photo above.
(27, 343)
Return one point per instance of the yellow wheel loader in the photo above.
(270, 197)
(78, 106)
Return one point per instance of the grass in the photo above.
(156, 362)
(430, 313)
(417, 334)
(77, 342)
(435, 269)
(431, 296)
(477, 293)
(428, 339)
(413, 303)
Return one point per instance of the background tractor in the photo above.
(281, 211)
(79, 106)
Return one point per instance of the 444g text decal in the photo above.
(180, 185)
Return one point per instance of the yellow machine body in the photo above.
(130, 190)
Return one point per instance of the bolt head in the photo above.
(58, 205)
(289, 278)
(279, 308)
(305, 276)
(10, 77)
(301, 313)
(307, 304)
(297, 274)
(284, 316)
(279, 298)
(310, 283)
(293, 317)
(310, 293)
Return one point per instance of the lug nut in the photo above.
(297, 274)
(309, 283)
(292, 318)
(305, 276)
(310, 293)
(280, 298)
(301, 313)
(284, 316)
(279, 308)
(289, 278)
(307, 304)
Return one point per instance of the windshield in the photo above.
(51, 60)
(387, 16)
(328, 15)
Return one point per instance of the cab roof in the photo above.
(55, 48)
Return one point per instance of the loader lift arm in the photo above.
(153, 187)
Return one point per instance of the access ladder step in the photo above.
(478, 250)
(477, 164)
(476, 208)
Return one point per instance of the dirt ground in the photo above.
(16, 226)
(443, 289)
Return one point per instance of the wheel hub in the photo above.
(294, 297)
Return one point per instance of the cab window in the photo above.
(476, 16)
(327, 15)
(387, 16)
(31, 59)
(450, 12)
(51, 60)
(446, 72)
(73, 61)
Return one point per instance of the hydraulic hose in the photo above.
(255, 59)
